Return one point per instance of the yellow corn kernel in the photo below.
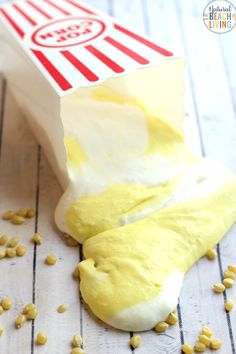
(3, 240)
(8, 215)
(77, 351)
(37, 238)
(187, 349)
(20, 321)
(62, 308)
(17, 220)
(28, 308)
(32, 314)
(50, 259)
(199, 347)
(216, 344)
(218, 288)
(228, 283)
(204, 339)
(229, 305)
(77, 340)
(13, 242)
(1, 330)
(229, 274)
(1, 310)
(171, 319)
(6, 303)
(211, 254)
(232, 268)
(206, 331)
(22, 212)
(2, 253)
(71, 242)
(10, 252)
(135, 341)
(41, 338)
(31, 213)
(76, 273)
(20, 250)
(161, 327)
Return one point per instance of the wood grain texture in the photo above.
(26, 179)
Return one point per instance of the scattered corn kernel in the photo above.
(171, 319)
(28, 308)
(1, 310)
(8, 215)
(71, 242)
(37, 238)
(206, 331)
(3, 240)
(76, 273)
(216, 344)
(232, 268)
(135, 341)
(20, 320)
(62, 308)
(161, 327)
(77, 351)
(204, 339)
(2, 253)
(228, 283)
(22, 212)
(10, 252)
(17, 220)
(1, 330)
(211, 254)
(77, 340)
(218, 288)
(32, 314)
(6, 303)
(229, 305)
(41, 338)
(187, 349)
(31, 213)
(13, 242)
(199, 347)
(50, 259)
(20, 250)
(229, 274)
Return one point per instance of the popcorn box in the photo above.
(53, 48)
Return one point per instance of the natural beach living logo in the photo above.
(220, 16)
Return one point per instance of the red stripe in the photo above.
(82, 8)
(106, 60)
(52, 70)
(42, 12)
(59, 8)
(149, 44)
(138, 58)
(12, 23)
(27, 17)
(84, 70)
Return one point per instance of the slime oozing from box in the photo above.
(144, 208)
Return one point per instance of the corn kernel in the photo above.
(28, 308)
(20, 321)
(199, 347)
(161, 327)
(135, 341)
(50, 259)
(76, 273)
(229, 305)
(6, 303)
(171, 319)
(2, 253)
(41, 338)
(17, 220)
(32, 314)
(229, 274)
(62, 308)
(216, 344)
(77, 340)
(22, 212)
(3, 240)
(31, 213)
(232, 268)
(10, 252)
(20, 250)
(218, 288)
(211, 254)
(77, 351)
(228, 283)
(8, 215)
(71, 242)
(206, 331)
(13, 242)
(187, 349)
(204, 339)
(1, 310)
(37, 238)
(1, 330)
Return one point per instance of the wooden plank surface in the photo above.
(26, 179)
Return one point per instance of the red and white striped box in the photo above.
(51, 48)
